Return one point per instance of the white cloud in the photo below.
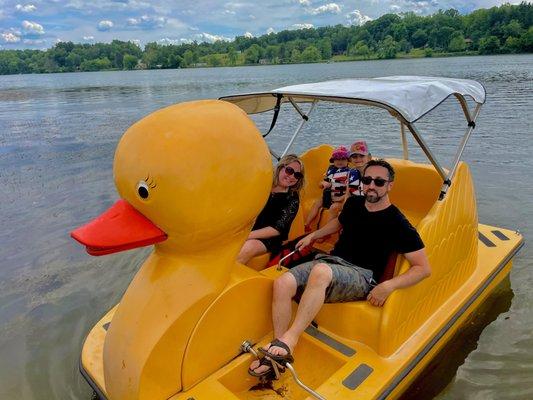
(229, 12)
(28, 8)
(332, 8)
(357, 18)
(88, 38)
(207, 37)
(395, 8)
(270, 30)
(34, 42)
(304, 2)
(105, 25)
(147, 22)
(167, 41)
(248, 35)
(301, 26)
(9, 37)
(32, 28)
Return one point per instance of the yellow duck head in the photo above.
(192, 178)
(199, 171)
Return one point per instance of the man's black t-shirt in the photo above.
(369, 238)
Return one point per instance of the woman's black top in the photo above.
(279, 212)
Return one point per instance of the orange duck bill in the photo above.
(119, 228)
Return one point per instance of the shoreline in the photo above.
(334, 59)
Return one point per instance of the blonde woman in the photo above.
(272, 225)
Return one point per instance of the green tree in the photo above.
(73, 61)
(489, 45)
(232, 56)
(252, 54)
(272, 53)
(527, 40)
(512, 45)
(439, 38)
(387, 48)
(188, 58)
(513, 28)
(311, 54)
(296, 56)
(457, 43)
(419, 38)
(360, 49)
(174, 61)
(325, 48)
(129, 61)
(96, 65)
(213, 60)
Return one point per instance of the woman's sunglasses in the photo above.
(379, 182)
(291, 171)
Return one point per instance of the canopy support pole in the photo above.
(404, 142)
(460, 150)
(426, 150)
(305, 118)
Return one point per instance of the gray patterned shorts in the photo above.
(349, 282)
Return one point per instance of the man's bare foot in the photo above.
(282, 347)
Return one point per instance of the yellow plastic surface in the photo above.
(243, 310)
(449, 232)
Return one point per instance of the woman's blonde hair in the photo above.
(282, 163)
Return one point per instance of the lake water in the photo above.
(57, 139)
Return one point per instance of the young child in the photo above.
(359, 157)
(334, 185)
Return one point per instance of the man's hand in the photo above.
(306, 241)
(379, 294)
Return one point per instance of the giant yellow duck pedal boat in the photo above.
(192, 178)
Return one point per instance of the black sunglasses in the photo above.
(379, 182)
(291, 171)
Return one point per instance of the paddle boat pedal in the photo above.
(246, 346)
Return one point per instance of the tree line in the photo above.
(504, 29)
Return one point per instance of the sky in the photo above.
(40, 24)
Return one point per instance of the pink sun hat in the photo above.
(340, 153)
(359, 147)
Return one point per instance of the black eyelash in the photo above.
(150, 182)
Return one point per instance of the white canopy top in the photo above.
(408, 97)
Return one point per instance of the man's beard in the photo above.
(372, 196)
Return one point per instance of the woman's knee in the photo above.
(250, 249)
(321, 274)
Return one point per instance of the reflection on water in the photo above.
(57, 139)
(443, 368)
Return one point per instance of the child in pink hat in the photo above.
(359, 157)
(334, 186)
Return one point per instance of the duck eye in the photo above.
(142, 189)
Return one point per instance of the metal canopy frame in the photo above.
(447, 176)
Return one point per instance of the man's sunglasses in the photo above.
(379, 182)
(291, 171)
